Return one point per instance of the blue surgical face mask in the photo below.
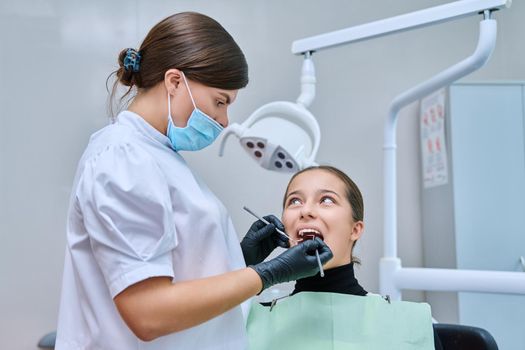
(200, 131)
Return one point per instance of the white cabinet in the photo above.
(477, 220)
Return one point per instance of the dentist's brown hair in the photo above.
(191, 42)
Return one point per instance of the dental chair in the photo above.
(47, 341)
(459, 337)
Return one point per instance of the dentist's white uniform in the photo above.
(137, 211)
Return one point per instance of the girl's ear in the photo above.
(172, 80)
(357, 231)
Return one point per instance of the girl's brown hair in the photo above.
(191, 42)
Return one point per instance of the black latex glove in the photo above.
(261, 239)
(295, 263)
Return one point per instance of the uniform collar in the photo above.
(138, 123)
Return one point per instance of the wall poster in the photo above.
(433, 142)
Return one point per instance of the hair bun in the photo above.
(131, 60)
(129, 63)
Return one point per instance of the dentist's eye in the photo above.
(220, 103)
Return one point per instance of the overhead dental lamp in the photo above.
(282, 136)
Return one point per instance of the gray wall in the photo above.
(56, 55)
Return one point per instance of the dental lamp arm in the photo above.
(391, 272)
(307, 81)
(485, 47)
(418, 19)
(234, 128)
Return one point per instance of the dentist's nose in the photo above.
(222, 118)
(224, 121)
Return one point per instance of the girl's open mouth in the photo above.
(308, 233)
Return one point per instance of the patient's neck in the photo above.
(340, 279)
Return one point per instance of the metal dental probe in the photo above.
(284, 234)
(267, 223)
(321, 271)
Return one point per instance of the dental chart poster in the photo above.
(433, 145)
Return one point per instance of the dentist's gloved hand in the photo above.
(295, 263)
(262, 239)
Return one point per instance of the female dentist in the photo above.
(152, 258)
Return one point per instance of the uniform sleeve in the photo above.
(125, 202)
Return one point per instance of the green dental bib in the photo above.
(332, 321)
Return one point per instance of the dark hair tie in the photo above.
(132, 60)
